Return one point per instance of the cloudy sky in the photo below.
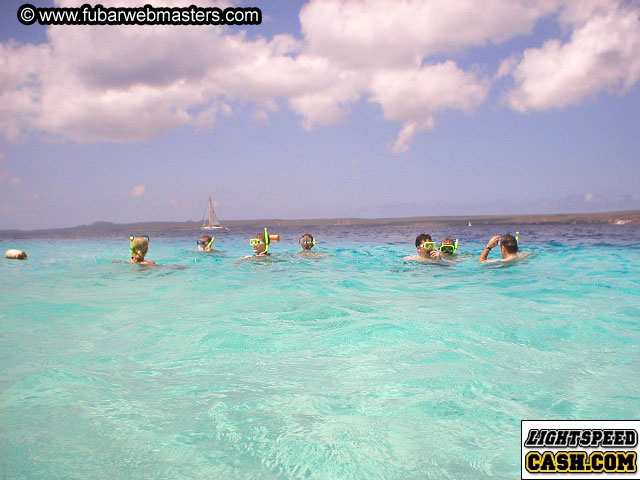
(327, 109)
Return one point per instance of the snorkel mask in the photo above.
(256, 241)
(448, 248)
(202, 245)
(429, 246)
(131, 247)
(305, 240)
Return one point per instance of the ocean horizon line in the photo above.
(616, 217)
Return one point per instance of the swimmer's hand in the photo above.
(435, 254)
(493, 242)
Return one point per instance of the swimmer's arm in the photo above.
(485, 253)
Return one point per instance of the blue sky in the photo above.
(327, 109)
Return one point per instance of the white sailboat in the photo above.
(210, 220)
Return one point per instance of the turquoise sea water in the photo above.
(353, 366)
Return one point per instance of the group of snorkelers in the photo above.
(140, 245)
(427, 249)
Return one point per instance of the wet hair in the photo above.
(448, 241)
(307, 235)
(509, 242)
(423, 237)
(205, 239)
(140, 248)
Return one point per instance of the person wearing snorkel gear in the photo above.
(448, 246)
(307, 242)
(205, 242)
(508, 248)
(139, 248)
(426, 249)
(261, 244)
(260, 248)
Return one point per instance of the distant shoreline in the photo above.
(620, 217)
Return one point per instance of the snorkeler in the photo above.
(426, 249)
(508, 247)
(448, 246)
(139, 247)
(205, 242)
(261, 244)
(307, 242)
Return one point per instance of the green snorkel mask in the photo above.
(131, 247)
(448, 248)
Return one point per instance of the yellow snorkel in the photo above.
(267, 241)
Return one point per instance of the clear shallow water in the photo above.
(357, 365)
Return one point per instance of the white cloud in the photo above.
(414, 96)
(603, 53)
(129, 83)
(138, 191)
(396, 33)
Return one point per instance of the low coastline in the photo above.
(619, 217)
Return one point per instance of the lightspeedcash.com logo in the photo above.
(580, 449)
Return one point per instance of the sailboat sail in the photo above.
(210, 219)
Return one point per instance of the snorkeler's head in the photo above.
(260, 246)
(205, 242)
(448, 245)
(139, 248)
(307, 242)
(509, 242)
(423, 237)
(424, 245)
